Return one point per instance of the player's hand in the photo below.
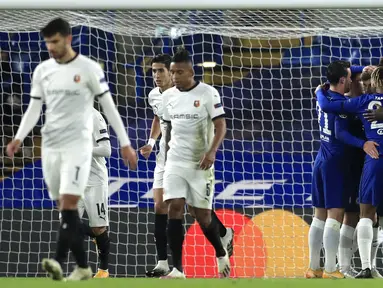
(129, 156)
(324, 86)
(370, 148)
(207, 160)
(13, 147)
(146, 150)
(374, 115)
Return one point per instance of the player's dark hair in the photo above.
(55, 26)
(337, 70)
(163, 59)
(377, 76)
(182, 55)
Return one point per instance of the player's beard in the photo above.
(59, 54)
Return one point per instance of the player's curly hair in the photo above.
(182, 55)
(377, 76)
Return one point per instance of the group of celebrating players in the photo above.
(347, 182)
(75, 142)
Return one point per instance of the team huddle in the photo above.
(347, 184)
(75, 141)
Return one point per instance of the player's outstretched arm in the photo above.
(340, 106)
(111, 113)
(155, 132)
(220, 131)
(28, 121)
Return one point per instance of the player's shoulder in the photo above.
(88, 63)
(44, 66)
(171, 91)
(207, 89)
(154, 93)
(97, 117)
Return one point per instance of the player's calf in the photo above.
(71, 234)
(209, 226)
(331, 237)
(103, 247)
(176, 230)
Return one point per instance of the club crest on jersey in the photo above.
(76, 78)
(196, 103)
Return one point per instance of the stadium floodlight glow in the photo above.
(207, 64)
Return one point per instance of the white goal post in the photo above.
(264, 57)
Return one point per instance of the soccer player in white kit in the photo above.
(162, 78)
(193, 111)
(95, 201)
(68, 83)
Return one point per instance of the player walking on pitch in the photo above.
(68, 83)
(193, 110)
(162, 78)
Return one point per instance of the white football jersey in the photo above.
(68, 90)
(98, 171)
(191, 113)
(155, 101)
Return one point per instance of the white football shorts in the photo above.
(159, 171)
(194, 185)
(95, 203)
(66, 171)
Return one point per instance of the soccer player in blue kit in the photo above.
(329, 189)
(371, 186)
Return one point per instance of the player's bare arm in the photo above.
(220, 131)
(155, 132)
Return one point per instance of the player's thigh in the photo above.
(175, 184)
(202, 188)
(334, 187)
(371, 184)
(75, 169)
(317, 190)
(51, 163)
(96, 205)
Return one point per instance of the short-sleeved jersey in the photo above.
(68, 90)
(155, 101)
(330, 145)
(358, 105)
(98, 171)
(191, 114)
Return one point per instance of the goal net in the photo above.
(264, 63)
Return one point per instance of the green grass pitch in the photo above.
(190, 283)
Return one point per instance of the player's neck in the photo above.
(166, 87)
(337, 89)
(191, 85)
(69, 56)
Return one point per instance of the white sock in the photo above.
(374, 246)
(315, 242)
(365, 235)
(345, 247)
(331, 237)
(355, 241)
(163, 264)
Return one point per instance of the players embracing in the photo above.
(370, 193)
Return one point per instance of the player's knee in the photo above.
(98, 230)
(336, 213)
(367, 211)
(320, 213)
(176, 208)
(160, 207)
(191, 211)
(68, 202)
(351, 219)
(203, 216)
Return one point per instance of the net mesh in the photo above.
(267, 63)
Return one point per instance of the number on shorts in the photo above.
(100, 209)
(208, 189)
(77, 171)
